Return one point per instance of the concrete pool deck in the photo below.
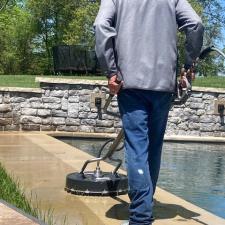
(41, 164)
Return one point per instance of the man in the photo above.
(136, 44)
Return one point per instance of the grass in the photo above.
(29, 80)
(11, 192)
(215, 82)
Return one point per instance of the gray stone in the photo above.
(30, 119)
(207, 134)
(57, 93)
(47, 93)
(92, 115)
(104, 123)
(61, 128)
(35, 99)
(51, 106)
(118, 124)
(6, 99)
(66, 94)
(91, 122)
(114, 104)
(18, 99)
(194, 119)
(73, 92)
(107, 117)
(197, 105)
(72, 121)
(194, 133)
(84, 128)
(82, 115)
(85, 91)
(200, 112)
(195, 100)
(29, 111)
(94, 110)
(73, 110)
(197, 94)
(64, 104)
(30, 127)
(84, 98)
(51, 100)
(12, 127)
(221, 96)
(36, 105)
(207, 127)
(73, 99)
(209, 119)
(71, 128)
(104, 130)
(175, 120)
(5, 121)
(182, 132)
(194, 126)
(96, 90)
(209, 96)
(44, 112)
(5, 108)
(219, 127)
(48, 128)
(46, 121)
(85, 107)
(25, 105)
(58, 121)
(183, 126)
(16, 106)
(8, 115)
(59, 113)
(209, 109)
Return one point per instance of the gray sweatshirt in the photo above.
(137, 39)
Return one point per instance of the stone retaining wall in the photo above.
(63, 105)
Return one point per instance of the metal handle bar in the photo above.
(112, 148)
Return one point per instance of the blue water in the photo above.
(194, 172)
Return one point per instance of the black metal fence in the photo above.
(74, 59)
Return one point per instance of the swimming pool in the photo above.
(192, 171)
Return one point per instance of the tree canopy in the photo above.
(30, 28)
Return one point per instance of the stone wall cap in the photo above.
(70, 81)
(209, 89)
(20, 89)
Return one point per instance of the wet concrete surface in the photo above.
(41, 164)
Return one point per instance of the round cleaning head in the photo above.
(108, 184)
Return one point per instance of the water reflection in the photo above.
(195, 172)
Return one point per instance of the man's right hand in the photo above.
(114, 85)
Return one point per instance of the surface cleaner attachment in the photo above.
(99, 183)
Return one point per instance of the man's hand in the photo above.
(114, 85)
(187, 76)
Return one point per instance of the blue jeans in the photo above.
(144, 116)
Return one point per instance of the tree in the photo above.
(3, 4)
(15, 38)
(52, 19)
(80, 30)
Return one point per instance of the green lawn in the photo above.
(29, 80)
(216, 82)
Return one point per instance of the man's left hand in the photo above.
(114, 85)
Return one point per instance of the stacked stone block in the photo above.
(67, 107)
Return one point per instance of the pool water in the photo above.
(192, 171)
